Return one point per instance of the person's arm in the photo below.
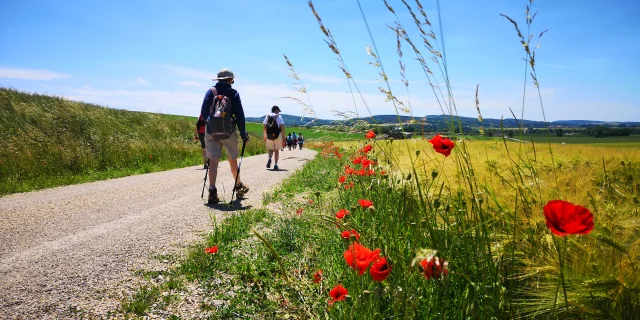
(282, 130)
(264, 128)
(206, 104)
(239, 113)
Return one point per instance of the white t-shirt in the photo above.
(279, 120)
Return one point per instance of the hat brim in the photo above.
(225, 78)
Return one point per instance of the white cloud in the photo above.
(142, 81)
(190, 83)
(174, 102)
(257, 98)
(31, 74)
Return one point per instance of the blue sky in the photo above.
(160, 56)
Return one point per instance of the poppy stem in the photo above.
(564, 287)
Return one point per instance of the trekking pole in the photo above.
(206, 173)
(244, 143)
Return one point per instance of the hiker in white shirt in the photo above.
(274, 135)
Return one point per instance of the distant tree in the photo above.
(559, 132)
(509, 133)
(489, 132)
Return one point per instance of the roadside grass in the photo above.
(490, 273)
(49, 141)
(242, 280)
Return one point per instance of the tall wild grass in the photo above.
(463, 236)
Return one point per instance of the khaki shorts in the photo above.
(214, 148)
(273, 145)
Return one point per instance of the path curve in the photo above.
(67, 247)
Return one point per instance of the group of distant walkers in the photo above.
(220, 114)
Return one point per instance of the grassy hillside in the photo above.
(49, 141)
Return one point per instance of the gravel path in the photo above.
(70, 247)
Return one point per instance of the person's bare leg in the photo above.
(277, 155)
(233, 164)
(204, 155)
(213, 171)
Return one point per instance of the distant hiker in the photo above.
(274, 135)
(200, 128)
(295, 139)
(222, 109)
(300, 141)
(289, 141)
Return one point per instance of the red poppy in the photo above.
(317, 277)
(150, 157)
(348, 170)
(343, 212)
(44, 163)
(384, 173)
(434, 268)
(358, 160)
(342, 179)
(211, 250)
(366, 163)
(365, 203)
(367, 148)
(442, 145)
(380, 270)
(310, 201)
(370, 134)
(348, 234)
(565, 218)
(359, 257)
(338, 293)
(299, 211)
(348, 186)
(371, 172)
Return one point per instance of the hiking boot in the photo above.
(269, 163)
(213, 197)
(276, 167)
(241, 190)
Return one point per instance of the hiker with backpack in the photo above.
(274, 135)
(300, 141)
(295, 140)
(199, 135)
(222, 111)
(289, 141)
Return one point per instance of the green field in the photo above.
(632, 141)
